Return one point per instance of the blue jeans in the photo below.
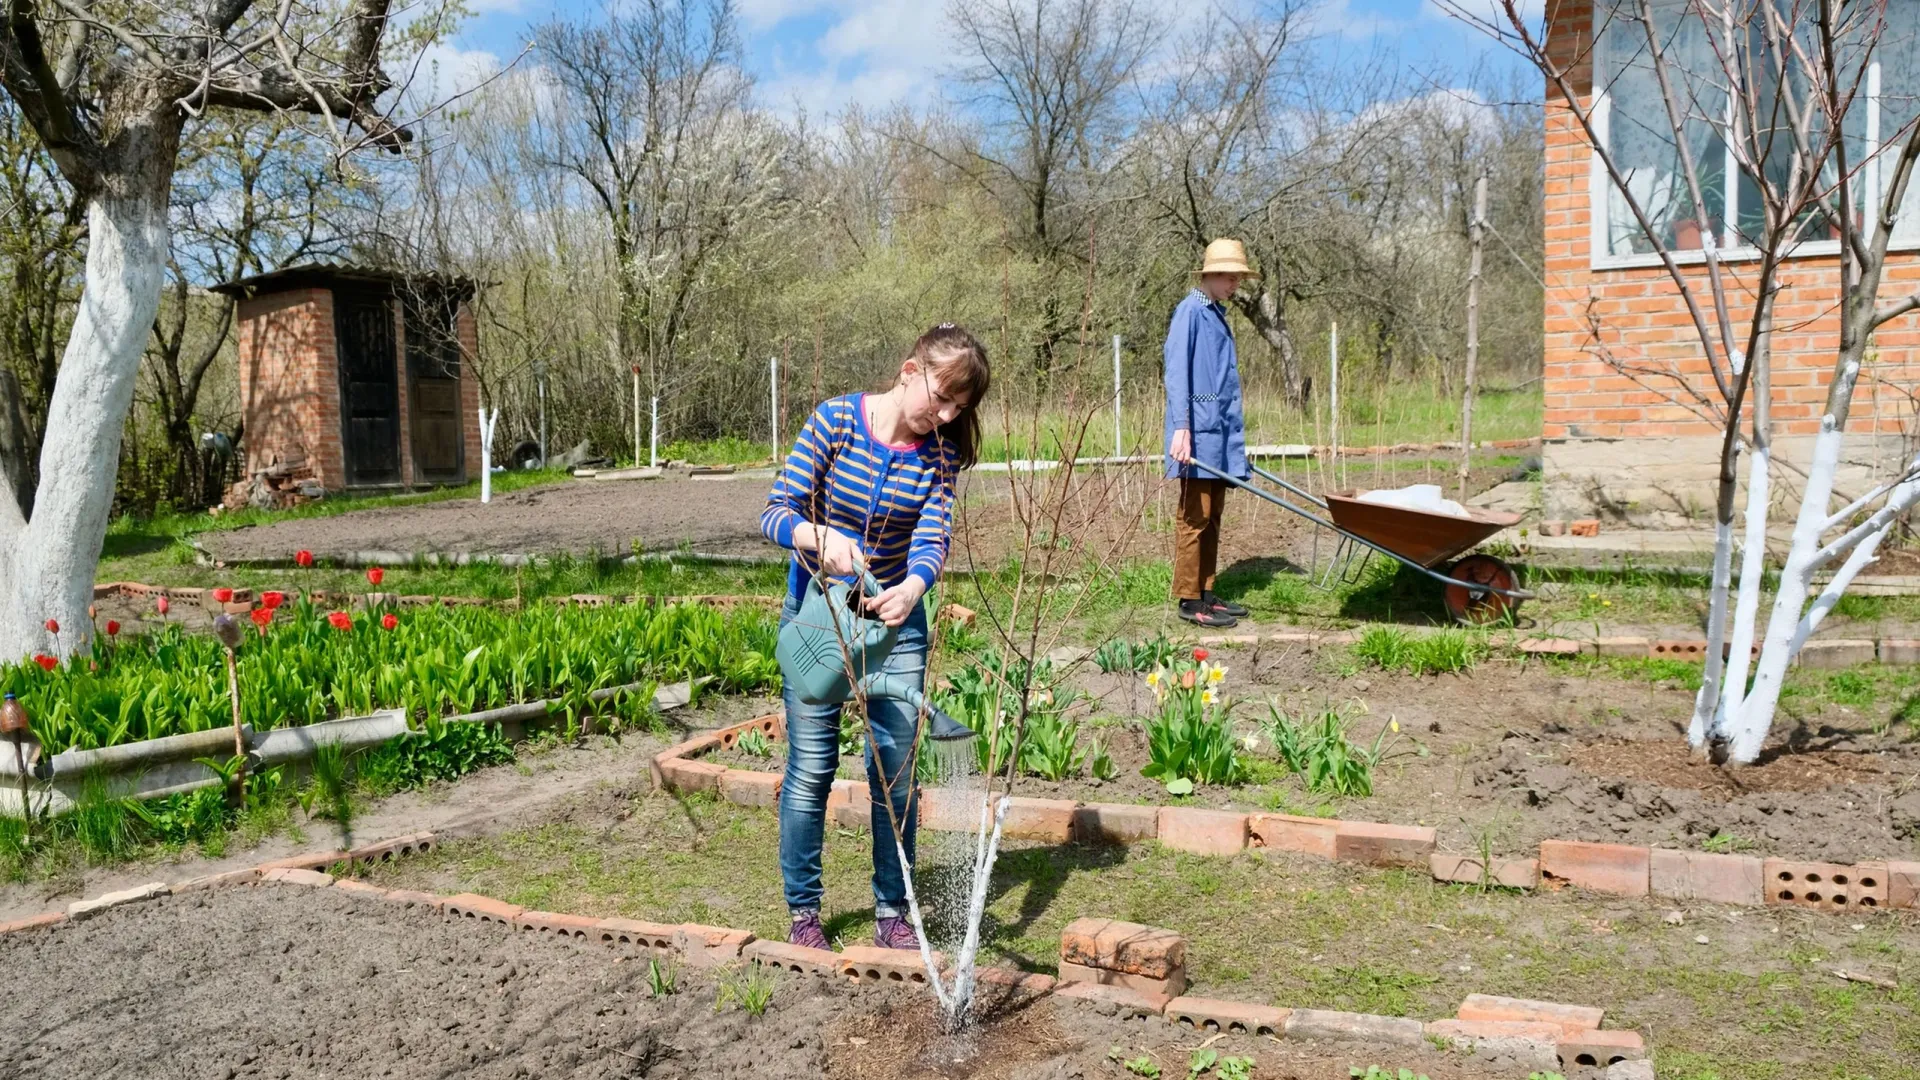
(813, 756)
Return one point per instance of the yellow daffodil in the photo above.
(1153, 679)
(1217, 674)
(1206, 696)
(1394, 724)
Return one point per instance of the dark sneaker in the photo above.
(894, 932)
(807, 932)
(1197, 613)
(1224, 607)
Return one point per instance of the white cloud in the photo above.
(872, 53)
(766, 14)
(907, 31)
(445, 72)
(1337, 17)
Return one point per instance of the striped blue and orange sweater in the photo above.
(896, 500)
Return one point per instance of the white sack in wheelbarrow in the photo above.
(1416, 497)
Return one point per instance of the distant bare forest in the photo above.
(629, 200)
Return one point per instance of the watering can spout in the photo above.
(940, 726)
(944, 728)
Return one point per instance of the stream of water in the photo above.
(956, 867)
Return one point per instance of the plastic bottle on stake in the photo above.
(14, 728)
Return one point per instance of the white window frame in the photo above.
(1599, 184)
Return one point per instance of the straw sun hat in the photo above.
(1226, 257)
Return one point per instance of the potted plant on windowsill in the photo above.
(1684, 222)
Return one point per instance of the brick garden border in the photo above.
(1611, 869)
(1111, 967)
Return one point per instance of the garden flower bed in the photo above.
(300, 664)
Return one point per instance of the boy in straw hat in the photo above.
(1204, 423)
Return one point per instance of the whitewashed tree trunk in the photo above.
(47, 564)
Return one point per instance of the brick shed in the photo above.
(360, 378)
(1617, 442)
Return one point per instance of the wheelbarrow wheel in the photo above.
(1471, 602)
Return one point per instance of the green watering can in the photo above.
(830, 647)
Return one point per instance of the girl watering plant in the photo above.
(870, 482)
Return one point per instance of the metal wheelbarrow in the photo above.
(1478, 588)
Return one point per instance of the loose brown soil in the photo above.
(1109, 513)
(1518, 752)
(291, 982)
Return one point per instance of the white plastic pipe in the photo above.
(1333, 394)
(653, 441)
(1116, 395)
(486, 452)
(773, 402)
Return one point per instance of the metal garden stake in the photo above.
(227, 629)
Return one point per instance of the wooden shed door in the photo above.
(369, 386)
(433, 391)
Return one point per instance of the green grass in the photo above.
(562, 575)
(728, 451)
(1418, 412)
(1273, 929)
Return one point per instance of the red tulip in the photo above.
(273, 599)
(225, 596)
(113, 628)
(389, 621)
(53, 626)
(340, 620)
(374, 574)
(161, 605)
(303, 558)
(1200, 655)
(45, 661)
(261, 617)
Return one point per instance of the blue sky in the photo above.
(822, 55)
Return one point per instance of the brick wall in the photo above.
(290, 386)
(469, 337)
(289, 383)
(1637, 316)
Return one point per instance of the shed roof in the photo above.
(331, 274)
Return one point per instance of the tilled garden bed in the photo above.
(1521, 751)
(289, 982)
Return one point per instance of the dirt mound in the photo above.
(1830, 804)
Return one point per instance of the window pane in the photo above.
(1856, 29)
(1640, 136)
(1899, 59)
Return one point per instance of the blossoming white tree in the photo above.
(109, 88)
(1783, 99)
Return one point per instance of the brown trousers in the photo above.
(1196, 537)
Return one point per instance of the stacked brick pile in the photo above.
(281, 485)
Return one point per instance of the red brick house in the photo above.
(361, 378)
(1619, 441)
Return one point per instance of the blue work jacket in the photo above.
(1203, 388)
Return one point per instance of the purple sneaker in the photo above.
(807, 932)
(895, 932)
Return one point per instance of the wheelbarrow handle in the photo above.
(1512, 594)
